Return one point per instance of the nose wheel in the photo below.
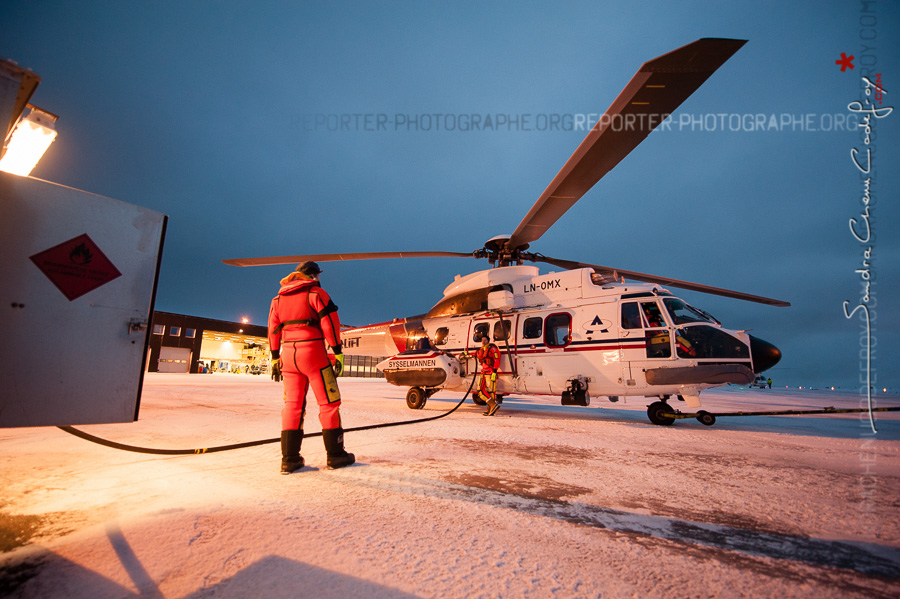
(416, 398)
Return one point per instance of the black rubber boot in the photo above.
(334, 446)
(291, 460)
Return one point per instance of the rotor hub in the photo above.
(498, 252)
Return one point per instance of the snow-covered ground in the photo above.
(539, 501)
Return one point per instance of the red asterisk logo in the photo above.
(845, 61)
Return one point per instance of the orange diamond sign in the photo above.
(76, 266)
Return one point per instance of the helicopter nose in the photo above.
(764, 354)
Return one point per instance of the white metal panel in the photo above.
(70, 356)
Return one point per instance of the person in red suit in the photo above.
(302, 319)
(488, 355)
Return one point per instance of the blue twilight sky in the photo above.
(227, 116)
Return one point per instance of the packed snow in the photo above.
(541, 500)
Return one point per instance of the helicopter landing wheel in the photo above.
(706, 418)
(476, 399)
(415, 398)
(656, 413)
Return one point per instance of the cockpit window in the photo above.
(682, 313)
(708, 342)
(631, 316)
(654, 318)
(658, 345)
(643, 315)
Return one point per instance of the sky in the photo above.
(281, 128)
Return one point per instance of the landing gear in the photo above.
(657, 413)
(416, 398)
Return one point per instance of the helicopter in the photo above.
(586, 330)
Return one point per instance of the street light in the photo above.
(30, 138)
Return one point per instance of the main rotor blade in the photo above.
(658, 88)
(647, 278)
(341, 257)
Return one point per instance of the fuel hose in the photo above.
(151, 450)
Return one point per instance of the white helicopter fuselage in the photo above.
(560, 332)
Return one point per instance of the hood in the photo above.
(295, 282)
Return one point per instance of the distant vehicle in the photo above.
(759, 382)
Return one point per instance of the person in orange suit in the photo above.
(302, 319)
(488, 355)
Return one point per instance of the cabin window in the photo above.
(482, 329)
(159, 329)
(533, 328)
(501, 330)
(175, 331)
(558, 330)
(631, 316)
(440, 336)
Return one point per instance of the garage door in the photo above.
(174, 359)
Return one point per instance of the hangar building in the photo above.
(181, 343)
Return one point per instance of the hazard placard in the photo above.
(76, 266)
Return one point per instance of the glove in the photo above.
(276, 370)
(493, 377)
(338, 364)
